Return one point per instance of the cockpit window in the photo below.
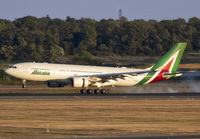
(14, 67)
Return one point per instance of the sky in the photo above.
(101, 9)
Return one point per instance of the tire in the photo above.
(103, 91)
(83, 91)
(96, 91)
(89, 91)
(23, 86)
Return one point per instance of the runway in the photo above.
(190, 95)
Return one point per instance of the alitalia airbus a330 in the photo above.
(59, 75)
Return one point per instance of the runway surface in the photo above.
(104, 96)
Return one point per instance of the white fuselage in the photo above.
(63, 72)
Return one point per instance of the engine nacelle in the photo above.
(54, 84)
(80, 82)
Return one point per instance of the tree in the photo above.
(7, 52)
(85, 58)
(7, 33)
(53, 53)
(45, 39)
(88, 31)
(29, 22)
(195, 22)
(196, 41)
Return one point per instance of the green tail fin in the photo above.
(172, 59)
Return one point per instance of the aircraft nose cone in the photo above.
(6, 71)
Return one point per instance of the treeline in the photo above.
(45, 39)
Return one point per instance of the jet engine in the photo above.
(55, 84)
(80, 82)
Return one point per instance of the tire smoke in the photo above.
(188, 82)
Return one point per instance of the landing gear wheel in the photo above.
(96, 91)
(89, 91)
(83, 91)
(23, 86)
(103, 91)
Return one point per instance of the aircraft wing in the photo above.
(102, 78)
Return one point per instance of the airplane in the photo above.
(83, 76)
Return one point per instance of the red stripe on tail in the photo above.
(160, 75)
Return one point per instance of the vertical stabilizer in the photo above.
(168, 64)
(172, 59)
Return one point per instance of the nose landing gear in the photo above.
(24, 84)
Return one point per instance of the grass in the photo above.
(78, 117)
(192, 66)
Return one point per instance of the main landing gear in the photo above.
(90, 91)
